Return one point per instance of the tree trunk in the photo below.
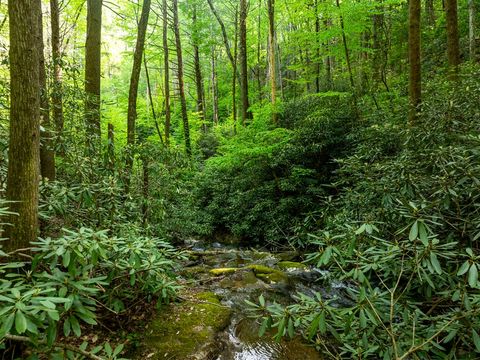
(57, 93)
(317, 43)
(430, 12)
(181, 85)
(214, 88)
(198, 70)
(246, 113)
(234, 78)
(24, 147)
(150, 98)
(328, 59)
(145, 190)
(414, 48)
(271, 57)
(47, 155)
(92, 72)
(453, 46)
(133, 92)
(349, 64)
(471, 29)
(166, 64)
(259, 49)
(111, 148)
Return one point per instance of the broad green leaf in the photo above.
(476, 340)
(435, 263)
(413, 231)
(473, 275)
(464, 268)
(20, 322)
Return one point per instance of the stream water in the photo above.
(240, 340)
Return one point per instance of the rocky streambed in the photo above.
(211, 320)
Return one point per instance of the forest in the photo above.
(239, 179)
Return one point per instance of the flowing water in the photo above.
(240, 341)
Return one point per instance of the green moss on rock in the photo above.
(183, 330)
(267, 274)
(223, 271)
(285, 265)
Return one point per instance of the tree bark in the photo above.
(133, 92)
(198, 70)
(453, 46)
(414, 57)
(47, 154)
(181, 85)
(57, 93)
(214, 88)
(234, 77)
(24, 147)
(246, 113)
(111, 148)
(471, 30)
(166, 74)
(92, 72)
(271, 58)
(430, 12)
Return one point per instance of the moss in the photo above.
(261, 269)
(285, 265)
(223, 271)
(267, 274)
(181, 330)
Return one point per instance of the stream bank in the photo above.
(211, 321)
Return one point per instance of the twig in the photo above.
(56, 344)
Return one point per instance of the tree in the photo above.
(181, 84)
(166, 71)
(471, 29)
(57, 97)
(271, 57)
(92, 71)
(47, 155)
(198, 68)
(246, 113)
(24, 147)
(415, 78)
(453, 46)
(134, 80)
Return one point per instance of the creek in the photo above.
(218, 279)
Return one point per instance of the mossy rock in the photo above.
(223, 271)
(287, 255)
(268, 274)
(285, 265)
(183, 331)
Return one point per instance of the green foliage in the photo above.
(401, 236)
(70, 278)
(264, 179)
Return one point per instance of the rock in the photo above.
(286, 265)
(223, 271)
(267, 274)
(288, 255)
(187, 331)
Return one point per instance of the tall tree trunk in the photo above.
(259, 49)
(349, 63)
(198, 70)
(246, 113)
(166, 70)
(414, 48)
(453, 46)
(92, 71)
(57, 93)
(24, 147)
(471, 29)
(234, 78)
(214, 88)
(133, 92)
(181, 85)
(317, 44)
(430, 12)
(47, 155)
(150, 98)
(271, 57)
(328, 59)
